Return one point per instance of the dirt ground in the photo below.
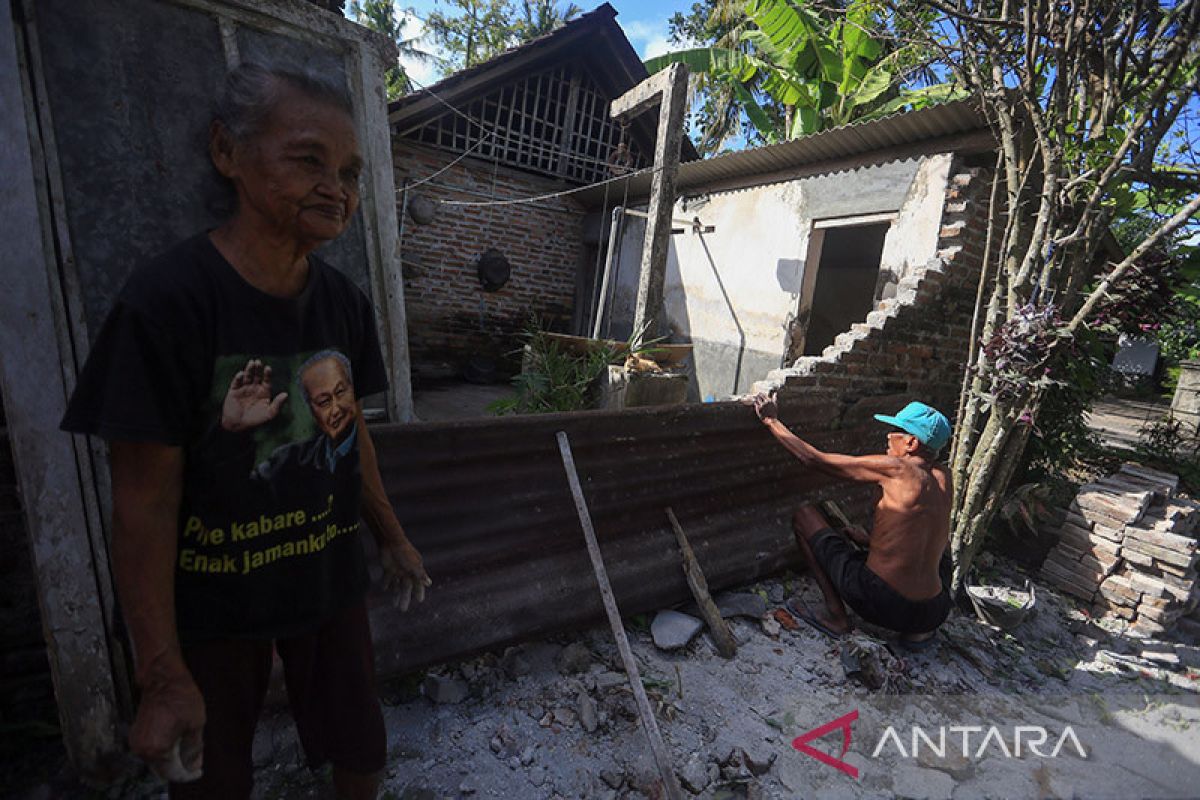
(556, 718)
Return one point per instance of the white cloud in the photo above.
(649, 37)
(427, 72)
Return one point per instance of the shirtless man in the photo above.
(897, 585)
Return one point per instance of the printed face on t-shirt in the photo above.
(330, 397)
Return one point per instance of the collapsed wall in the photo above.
(914, 345)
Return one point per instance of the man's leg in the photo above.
(806, 523)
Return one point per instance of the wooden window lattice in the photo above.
(554, 122)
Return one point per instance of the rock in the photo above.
(496, 744)
(954, 762)
(672, 630)
(514, 663)
(537, 776)
(467, 786)
(607, 680)
(441, 689)
(527, 755)
(612, 779)
(741, 604)
(792, 775)
(514, 763)
(694, 775)
(921, 784)
(587, 712)
(575, 657)
(758, 759)
(771, 627)
(565, 717)
(418, 793)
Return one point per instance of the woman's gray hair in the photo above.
(252, 88)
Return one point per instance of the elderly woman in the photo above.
(227, 379)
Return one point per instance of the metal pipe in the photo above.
(614, 241)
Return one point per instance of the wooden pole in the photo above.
(726, 644)
(649, 725)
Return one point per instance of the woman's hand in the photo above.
(404, 572)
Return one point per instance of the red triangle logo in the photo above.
(801, 743)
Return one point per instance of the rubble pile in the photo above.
(1128, 545)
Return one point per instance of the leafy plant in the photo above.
(555, 378)
(823, 69)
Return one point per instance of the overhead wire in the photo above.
(489, 134)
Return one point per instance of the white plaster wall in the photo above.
(912, 239)
(734, 292)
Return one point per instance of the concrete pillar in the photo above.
(1185, 406)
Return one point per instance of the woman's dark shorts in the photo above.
(868, 594)
(330, 678)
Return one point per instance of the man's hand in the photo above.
(168, 730)
(248, 402)
(766, 407)
(404, 572)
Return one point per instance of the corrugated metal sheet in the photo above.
(895, 130)
(488, 505)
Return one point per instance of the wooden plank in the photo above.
(366, 70)
(661, 757)
(32, 379)
(726, 644)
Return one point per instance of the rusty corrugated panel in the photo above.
(487, 504)
(894, 130)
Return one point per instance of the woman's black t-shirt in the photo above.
(268, 539)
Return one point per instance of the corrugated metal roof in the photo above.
(857, 138)
(488, 505)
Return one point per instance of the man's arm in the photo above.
(865, 469)
(400, 559)
(147, 486)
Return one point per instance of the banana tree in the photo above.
(823, 73)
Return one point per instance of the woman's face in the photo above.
(297, 178)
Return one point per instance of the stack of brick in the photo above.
(1128, 543)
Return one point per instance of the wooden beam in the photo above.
(670, 88)
(657, 747)
(726, 644)
(34, 384)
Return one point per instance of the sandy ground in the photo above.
(556, 718)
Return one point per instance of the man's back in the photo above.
(912, 526)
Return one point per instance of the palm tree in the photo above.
(539, 17)
(380, 16)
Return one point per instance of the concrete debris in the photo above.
(557, 724)
(694, 775)
(741, 604)
(441, 689)
(672, 630)
(587, 712)
(575, 657)
(922, 784)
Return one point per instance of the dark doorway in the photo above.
(846, 277)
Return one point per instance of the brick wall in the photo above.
(914, 345)
(449, 315)
(26, 691)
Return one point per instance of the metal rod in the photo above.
(649, 725)
(614, 241)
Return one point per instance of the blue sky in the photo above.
(644, 22)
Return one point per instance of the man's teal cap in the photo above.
(926, 423)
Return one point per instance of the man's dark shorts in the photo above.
(330, 677)
(868, 594)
